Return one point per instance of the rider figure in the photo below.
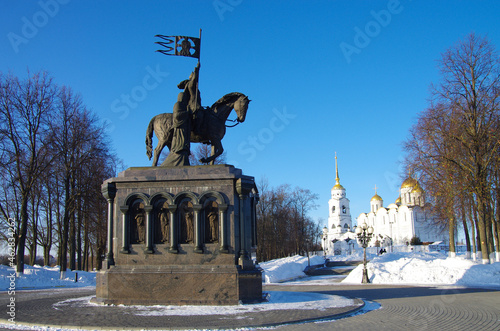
(185, 109)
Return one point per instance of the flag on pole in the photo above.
(179, 45)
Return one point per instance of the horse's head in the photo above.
(241, 107)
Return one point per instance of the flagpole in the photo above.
(197, 81)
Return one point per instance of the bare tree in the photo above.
(25, 107)
(455, 143)
(81, 148)
(284, 227)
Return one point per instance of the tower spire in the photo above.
(336, 171)
(337, 179)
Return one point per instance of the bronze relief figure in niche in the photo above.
(187, 222)
(211, 222)
(162, 224)
(138, 223)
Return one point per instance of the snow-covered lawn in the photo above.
(287, 268)
(433, 268)
(37, 277)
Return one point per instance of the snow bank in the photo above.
(37, 277)
(434, 268)
(287, 268)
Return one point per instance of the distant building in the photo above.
(399, 222)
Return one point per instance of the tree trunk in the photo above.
(46, 255)
(466, 230)
(21, 245)
(489, 228)
(79, 238)
(472, 217)
(72, 242)
(451, 233)
(34, 231)
(481, 229)
(65, 230)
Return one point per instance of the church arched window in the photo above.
(333, 209)
(333, 226)
(346, 226)
(344, 209)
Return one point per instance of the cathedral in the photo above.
(404, 219)
(395, 224)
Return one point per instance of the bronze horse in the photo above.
(208, 127)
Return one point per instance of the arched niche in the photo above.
(162, 217)
(137, 222)
(214, 219)
(186, 217)
(134, 222)
(211, 221)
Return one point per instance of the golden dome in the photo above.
(417, 189)
(398, 200)
(376, 197)
(338, 187)
(409, 182)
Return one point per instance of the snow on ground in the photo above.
(432, 268)
(37, 277)
(287, 268)
(291, 268)
(276, 300)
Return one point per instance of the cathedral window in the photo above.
(346, 226)
(344, 209)
(333, 226)
(333, 209)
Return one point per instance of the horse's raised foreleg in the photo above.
(217, 150)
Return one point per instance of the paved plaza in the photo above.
(386, 307)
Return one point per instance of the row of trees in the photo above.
(283, 225)
(54, 156)
(454, 146)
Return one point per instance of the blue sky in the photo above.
(324, 76)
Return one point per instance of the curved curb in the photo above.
(259, 319)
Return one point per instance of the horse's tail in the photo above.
(149, 138)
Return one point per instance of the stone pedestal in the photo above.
(180, 235)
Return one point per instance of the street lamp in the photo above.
(364, 234)
(325, 236)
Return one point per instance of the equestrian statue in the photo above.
(190, 122)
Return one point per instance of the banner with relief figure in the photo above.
(180, 45)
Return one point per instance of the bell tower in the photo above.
(339, 216)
